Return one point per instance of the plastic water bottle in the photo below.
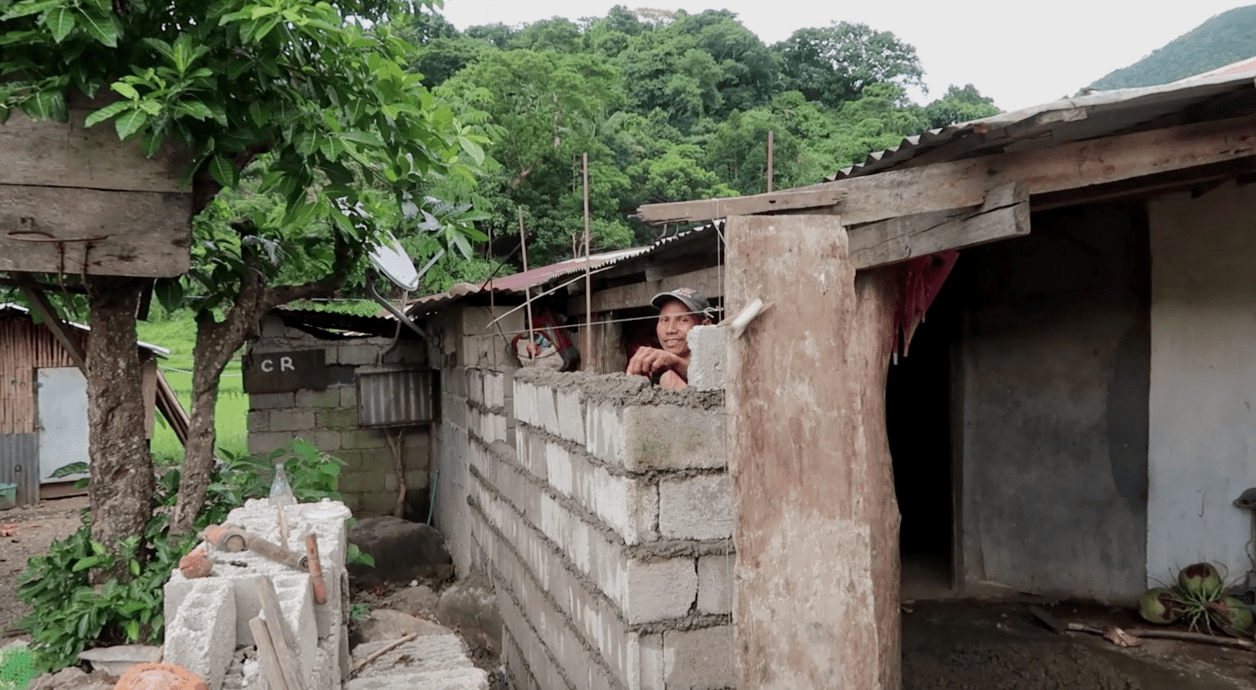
(280, 490)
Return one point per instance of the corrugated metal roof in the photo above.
(19, 309)
(1098, 114)
(375, 325)
(517, 283)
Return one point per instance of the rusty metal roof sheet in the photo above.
(1099, 114)
(544, 276)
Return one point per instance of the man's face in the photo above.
(674, 324)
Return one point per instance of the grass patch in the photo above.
(177, 333)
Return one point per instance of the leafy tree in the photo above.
(557, 34)
(834, 64)
(750, 70)
(348, 141)
(497, 34)
(959, 105)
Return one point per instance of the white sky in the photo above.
(1017, 52)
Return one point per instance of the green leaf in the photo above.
(360, 137)
(473, 149)
(194, 109)
(151, 142)
(69, 469)
(223, 171)
(46, 105)
(183, 53)
(161, 47)
(169, 293)
(29, 7)
(60, 22)
(132, 629)
(105, 113)
(99, 26)
(130, 123)
(125, 90)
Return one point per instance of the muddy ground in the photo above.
(947, 645)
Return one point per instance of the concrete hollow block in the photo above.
(202, 635)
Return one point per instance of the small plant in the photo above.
(359, 611)
(17, 667)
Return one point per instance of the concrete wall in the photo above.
(1203, 379)
(1053, 401)
(369, 482)
(608, 534)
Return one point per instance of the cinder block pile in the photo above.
(607, 529)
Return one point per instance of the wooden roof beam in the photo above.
(48, 315)
(960, 184)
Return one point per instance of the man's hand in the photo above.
(649, 361)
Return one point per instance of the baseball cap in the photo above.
(687, 296)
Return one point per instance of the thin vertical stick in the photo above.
(527, 291)
(771, 150)
(492, 306)
(588, 262)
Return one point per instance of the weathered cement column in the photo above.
(816, 602)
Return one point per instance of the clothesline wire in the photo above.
(595, 323)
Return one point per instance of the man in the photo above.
(679, 311)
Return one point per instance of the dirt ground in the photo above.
(947, 645)
(30, 531)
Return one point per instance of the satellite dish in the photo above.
(390, 259)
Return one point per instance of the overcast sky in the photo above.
(1019, 53)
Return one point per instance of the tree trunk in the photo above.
(122, 481)
(215, 345)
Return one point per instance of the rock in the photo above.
(73, 678)
(117, 659)
(195, 564)
(385, 624)
(470, 607)
(418, 601)
(403, 551)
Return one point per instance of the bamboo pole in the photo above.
(527, 291)
(588, 264)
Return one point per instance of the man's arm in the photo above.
(649, 361)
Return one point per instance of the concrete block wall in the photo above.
(329, 418)
(603, 515)
(476, 406)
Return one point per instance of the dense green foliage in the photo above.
(668, 106)
(69, 613)
(1226, 38)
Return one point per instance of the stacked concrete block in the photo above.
(201, 636)
(708, 348)
(607, 532)
(329, 418)
(319, 630)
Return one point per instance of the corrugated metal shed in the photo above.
(19, 464)
(1095, 115)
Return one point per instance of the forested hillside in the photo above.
(668, 106)
(1227, 37)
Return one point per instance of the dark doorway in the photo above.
(918, 421)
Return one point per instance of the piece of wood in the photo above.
(55, 154)
(1163, 634)
(705, 281)
(959, 184)
(1005, 214)
(713, 209)
(169, 406)
(381, 652)
(76, 231)
(268, 656)
(815, 485)
(272, 610)
(60, 330)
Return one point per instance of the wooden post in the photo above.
(523, 246)
(816, 523)
(588, 258)
(771, 151)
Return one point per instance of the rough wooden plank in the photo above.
(1005, 214)
(49, 153)
(710, 209)
(705, 281)
(816, 586)
(959, 184)
(58, 230)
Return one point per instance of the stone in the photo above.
(160, 677)
(470, 607)
(403, 551)
(195, 564)
(416, 601)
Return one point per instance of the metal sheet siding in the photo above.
(394, 397)
(19, 464)
(24, 347)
